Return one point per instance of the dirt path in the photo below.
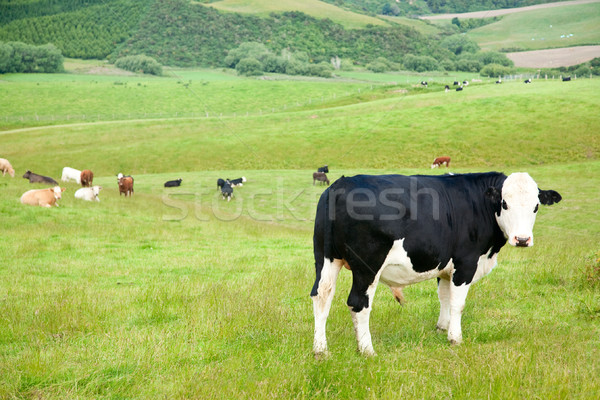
(497, 13)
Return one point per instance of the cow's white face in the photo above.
(96, 190)
(58, 192)
(518, 208)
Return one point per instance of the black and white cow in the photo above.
(456, 83)
(401, 230)
(227, 191)
(175, 183)
(237, 182)
(527, 80)
(424, 83)
(324, 168)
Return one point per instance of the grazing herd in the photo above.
(226, 186)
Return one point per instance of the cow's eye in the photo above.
(504, 205)
(536, 208)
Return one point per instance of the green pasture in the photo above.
(176, 293)
(314, 8)
(574, 25)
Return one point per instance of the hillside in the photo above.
(567, 26)
(314, 8)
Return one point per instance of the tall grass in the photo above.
(178, 294)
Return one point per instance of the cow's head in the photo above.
(96, 190)
(57, 190)
(27, 174)
(516, 206)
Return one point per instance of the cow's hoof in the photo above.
(322, 355)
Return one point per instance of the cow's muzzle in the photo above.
(522, 241)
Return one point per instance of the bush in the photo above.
(468, 65)
(21, 57)
(420, 63)
(273, 63)
(295, 67)
(493, 57)
(249, 66)
(495, 70)
(139, 64)
(323, 70)
(254, 50)
(377, 67)
(459, 44)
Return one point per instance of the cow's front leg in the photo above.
(458, 296)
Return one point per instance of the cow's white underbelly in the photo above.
(398, 269)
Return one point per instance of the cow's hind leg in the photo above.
(360, 303)
(322, 296)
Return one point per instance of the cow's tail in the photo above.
(323, 242)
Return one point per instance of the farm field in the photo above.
(178, 294)
(545, 28)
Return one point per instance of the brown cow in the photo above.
(321, 177)
(87, 177)
(438, 162)
(6, 167)
(42, 197)
(126, 185)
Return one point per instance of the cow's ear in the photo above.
(493, 194)
(549, 197)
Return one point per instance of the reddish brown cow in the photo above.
(321, 177)
(87, 177)
(126, 186)
(438, 162)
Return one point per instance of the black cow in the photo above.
(176, 182)
(227, 191)
(567, 79)
(220, 183)
(35, 178)
(324, 168)
(460, 88)
(402, 230)
(237, 182)
(455, 83)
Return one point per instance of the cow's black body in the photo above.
(440, 218)
(35, 178)
(175, 183)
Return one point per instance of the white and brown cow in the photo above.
(439, 161)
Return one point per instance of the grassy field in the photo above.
(542, 29)
(314, 8)
(178, 294)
